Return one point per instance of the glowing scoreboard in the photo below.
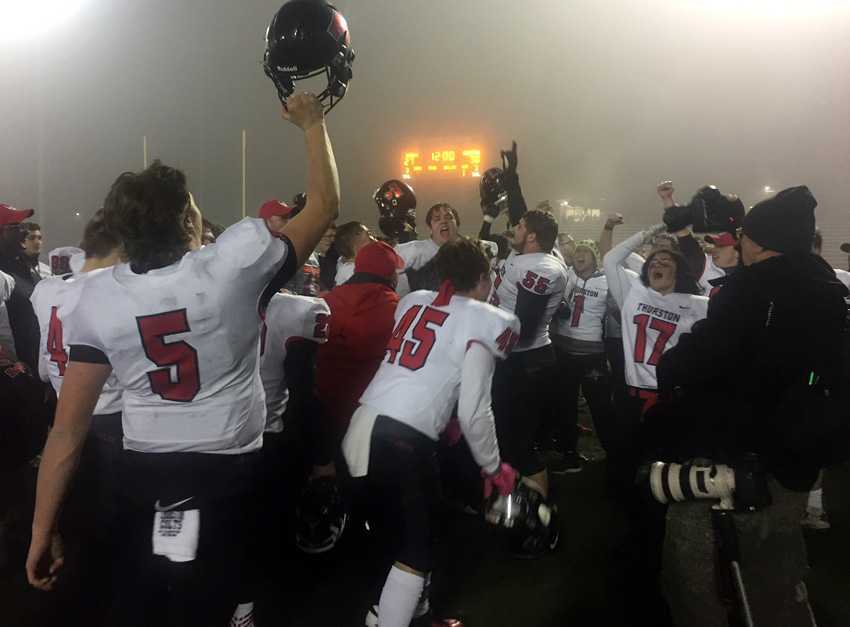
(444, 163)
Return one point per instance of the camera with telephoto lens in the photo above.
(524, 509)
(710, 211)
(741, 487)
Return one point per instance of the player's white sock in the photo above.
(815, 499)
(243, 616)
(399, 598)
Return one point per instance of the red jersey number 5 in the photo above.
(180, 355)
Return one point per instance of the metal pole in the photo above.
(244, 170)
(145, 152)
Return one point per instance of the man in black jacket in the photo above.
(774, 331)
(13, 261)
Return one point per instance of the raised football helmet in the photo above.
(305, 39)
(320, 516)
(492, 190)
(396, 203)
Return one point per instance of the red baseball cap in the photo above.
(274, 208)
(10, 215)
(378, 258)
(723, 239)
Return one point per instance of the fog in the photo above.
(604, 97)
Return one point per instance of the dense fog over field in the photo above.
(605, 98)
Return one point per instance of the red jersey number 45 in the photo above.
(415, 350)
(177, 378)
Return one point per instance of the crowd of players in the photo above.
(183, 356)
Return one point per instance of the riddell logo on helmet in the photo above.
(289, 68)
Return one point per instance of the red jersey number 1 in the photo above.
(578, 309)
(179, 355)
(55, 344)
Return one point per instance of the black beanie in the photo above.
(784, 223)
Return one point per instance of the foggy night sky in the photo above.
(604, 97)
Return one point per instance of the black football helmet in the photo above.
(492, 187)
(320, 516)
(396, 203)
(524, 509)
(305, 39)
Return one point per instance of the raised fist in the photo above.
(665, 192)
(303, 110)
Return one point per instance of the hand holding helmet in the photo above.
(307, 38)
(503, 480)
(303, 110)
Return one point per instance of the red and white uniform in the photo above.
(183, 341)
(50, 298)
(588, 301)
(540, 274)
(651, 322)
(288, 318)
(710, 272)
(439, 354)
(415, 255)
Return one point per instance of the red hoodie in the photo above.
(362, 320)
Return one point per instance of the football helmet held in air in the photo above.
(396, 203)
(305, 39)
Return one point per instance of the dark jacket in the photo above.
(22, 318)
(776, 326)
(362, 320)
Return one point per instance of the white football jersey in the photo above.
(47, 300)
(183, 341)
(653, 323)
(588, 302)
(843, 276)
(537, 273)
(418, 383)
(288, 317)
(710, 272)
(344, 271)
(415, 255)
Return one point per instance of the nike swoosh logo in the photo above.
(168, 508)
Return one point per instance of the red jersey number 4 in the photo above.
(55, 344)
(415, 350)
(180, 356)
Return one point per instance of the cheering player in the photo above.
(181, 334)
(443, 351)
(530, 283)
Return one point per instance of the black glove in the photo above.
(492, 209)
(678, 217)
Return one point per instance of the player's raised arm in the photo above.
(83, 382)
(307, 228)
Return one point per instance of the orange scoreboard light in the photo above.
(450, 162)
